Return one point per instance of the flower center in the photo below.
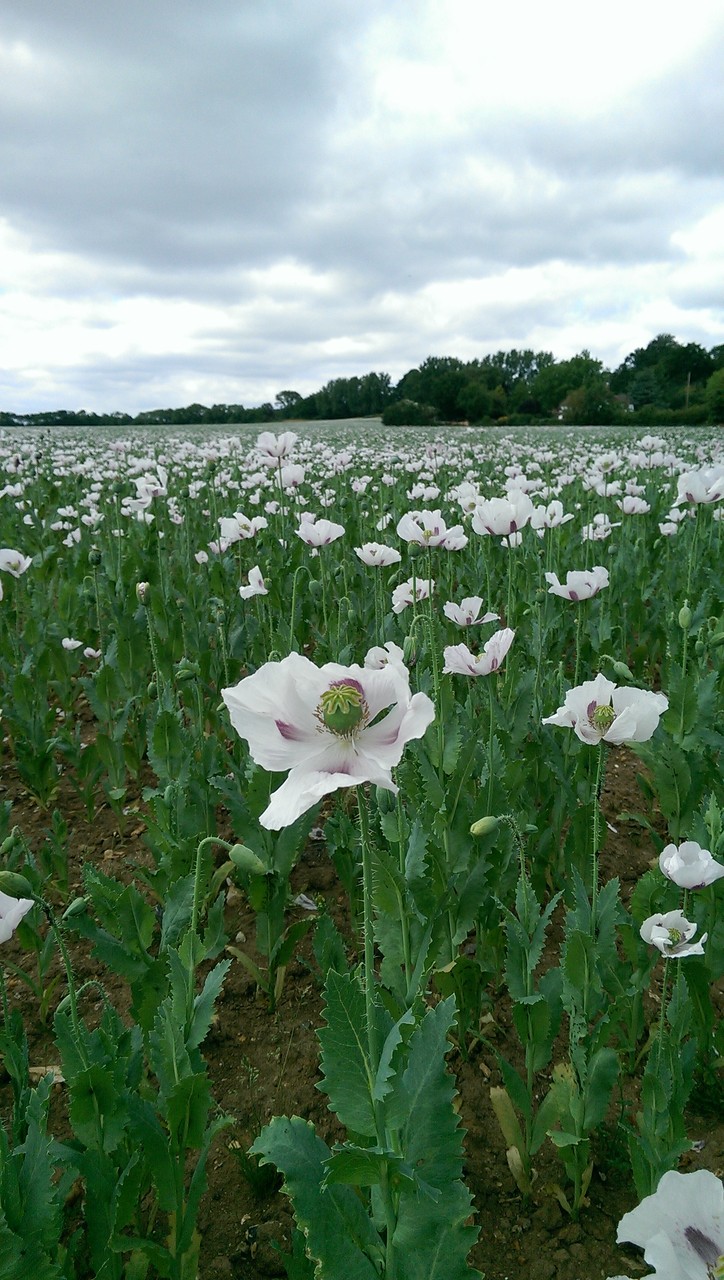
(602, 717)
(342, 708)
(675, 935)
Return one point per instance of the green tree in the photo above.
(715, 396)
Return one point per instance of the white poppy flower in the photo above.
(380, 655)
(272, 448)
(689, 866)
(580, 584)
(680, 1227)
(467, 613)
(14, 562)
(597, 710)
(70, 644)
(428, 529)
(318, 533)
(404, 595)
(672, 934)
(325, 724)
(12, 911)
(256, 585)
(503, 516)
(376, 554)
(460, 661)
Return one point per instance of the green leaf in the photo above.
(365, 1166)
(203, 1009)
(338, 1231)
(345, 1065)
(601, 1077)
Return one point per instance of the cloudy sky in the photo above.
(215, 200)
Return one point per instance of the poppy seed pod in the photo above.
(685, 617)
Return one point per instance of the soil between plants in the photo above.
(263, 1064)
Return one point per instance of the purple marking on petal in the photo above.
(591, 708)
(702, 1245)
(573, 595)
(289, 732)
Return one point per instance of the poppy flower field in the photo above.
(427, 662)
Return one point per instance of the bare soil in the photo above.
(264, 1064)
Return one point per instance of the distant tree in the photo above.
(645, 388)
(715, 396)
(407, 413)
(555, 382)
(287, 403)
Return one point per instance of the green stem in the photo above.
(368, 934)
(600, 770)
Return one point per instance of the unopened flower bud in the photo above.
(94, 557)
(409, 651)
(685, 617)
(245, 859)
(484, 826)
(15, 885)
(143, 593)
(187, 670)
(717, 641)
(77, 907)
(621, 671)
(152, 689)
(699, 648)
(385, 799)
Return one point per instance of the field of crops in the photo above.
(361, 825)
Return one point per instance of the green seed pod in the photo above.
(685, 617)
(414, 550)
(484, 826)
(621, 671)
(717, 641)
(94, 557)
(699, 648)
(15, 885)
(152, 689)
(540, 595)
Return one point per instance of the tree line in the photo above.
(665, 382)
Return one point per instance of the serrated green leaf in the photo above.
(338, 1231)
(345, 1065)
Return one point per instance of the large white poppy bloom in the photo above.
(461, 662)
(598, 709)
(503, 516)
(14, 562)
(680, 1227)
(690, 866)
(326, 725)
(467, 613)
(428, 529)
(12, 911)
(672, 934)
(580, 584)
(377, 555)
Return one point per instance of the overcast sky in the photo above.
(215, 200)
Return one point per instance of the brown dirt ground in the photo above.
(241, 1231)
